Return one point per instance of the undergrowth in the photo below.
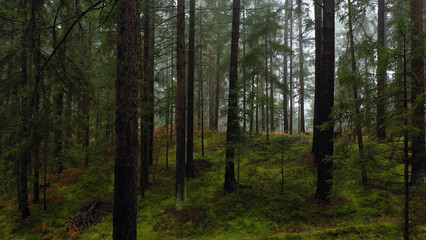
(258, 210)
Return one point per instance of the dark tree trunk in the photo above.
(151, 83)
(233, 125)
(325, 103)
(381, 73)
(318, 69)
(301, 72)
(217, 89)
(266, 90)
(244, 75)
(24, 129)
(358, 128)
(201, 95)
(406, 220)
(212, 91)
(291, 69)
(180, 109)
(257, 104)
(36, 45)
(147, 96)
(252, 104)
(126, 120)
(285, 77)
(418, 172)
(191, 70)
(271, 95)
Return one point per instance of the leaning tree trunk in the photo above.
(126, 120)
(233, 125)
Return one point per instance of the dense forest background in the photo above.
(243, 119)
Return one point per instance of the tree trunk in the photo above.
(291, 68)
(146, 98)
(211, 85)
(318, 69)
(36, 45)
(232, 125)
(151, 83)
(25, 131)
(325, 103)
(358, 120)
(271, 95)
(191, 71)
(126, 120)
(200, 76)
(180, 109)
(418, 172)
(266, 90)
(217, 89)
(301, 72)
(381, 73)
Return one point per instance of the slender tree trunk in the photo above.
(326, 102)
(252, 104)
(36, 45)
(418, 172)
(232, 126)
(318, 70)
(285, 77)
(257, 103)
(126, 120)
(217, 89)
(146, 98)
(191, 71)
(358, 128)
(25, 132)
(301, 72)
(406, 224)
(244, 75)
(151, 82)
(201, 89)
(381, 73)
(211, 85)
(180, 109)
(271, 95)
(266, 90)
(291, 68)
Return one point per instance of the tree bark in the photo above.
(318, 69)
(381, 73)
(418, 172)
(291, 69)
(126, 120)
(301, 72)
(180, 109)
(146, 98)
(285, 70)
(233, 125)
(358, 127)
(25, 131)
(217, 89)
(191, 71)
(325, 103)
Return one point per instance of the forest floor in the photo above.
(263, 208)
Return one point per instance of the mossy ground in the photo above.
(260, 210)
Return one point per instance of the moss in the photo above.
(258, 211)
